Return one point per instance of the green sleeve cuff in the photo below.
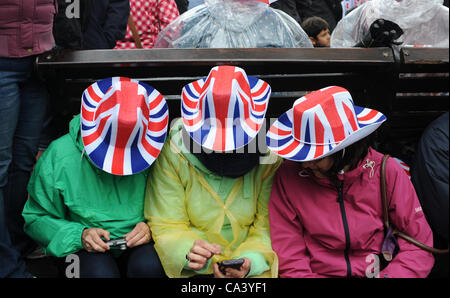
(258, 263)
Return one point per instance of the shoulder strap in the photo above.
(384, 192)
(386, 215)
(137, 39)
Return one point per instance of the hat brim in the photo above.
(281, 141)
(238, 132)
(98, 136)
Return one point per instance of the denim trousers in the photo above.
(23, 103)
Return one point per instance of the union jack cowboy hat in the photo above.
(225, 110)
(320, 124)
(123, 125)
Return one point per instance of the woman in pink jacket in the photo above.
(325, 210)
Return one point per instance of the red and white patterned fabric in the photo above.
(150, 17)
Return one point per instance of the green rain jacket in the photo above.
(68, 193)
(185, 202)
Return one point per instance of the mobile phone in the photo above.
(235, 264)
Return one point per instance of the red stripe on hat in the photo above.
(350, 117)
(191, 122)
(221, 91)
(252, 124)
(219, 140)
(288, 149)
(156, 102)
(319, 133)
(243, 84)
(149, 148)
(117, 161)
(107, 104)
(372, 114)
(317, 98)
(260, 90)
(197, 87)
(87, 140)
(158, 126)
(87, 115)
(93, 95)
(246, 106)
(260, 108)
(188, 102)
(280, 132)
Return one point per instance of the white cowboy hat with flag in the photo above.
(320, 124)
(225, 110)
(123, 125)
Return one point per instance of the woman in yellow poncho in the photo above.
(205, 207)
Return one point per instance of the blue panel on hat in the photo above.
(99, 154)
(138, 163)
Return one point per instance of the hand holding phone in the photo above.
(234, 264)
(238, 268)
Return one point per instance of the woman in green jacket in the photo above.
(88, 186)
(203, 207)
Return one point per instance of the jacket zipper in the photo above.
(347, 232)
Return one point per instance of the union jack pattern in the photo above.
(224, 111)
(320, 123)
(123, 125)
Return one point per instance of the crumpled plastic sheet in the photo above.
(424, 22)
(233, 24)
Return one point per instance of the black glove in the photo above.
(382, 33)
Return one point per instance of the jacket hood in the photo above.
(75, 134)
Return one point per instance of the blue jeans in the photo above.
(138, 262)
(23, 102)
(11, 265)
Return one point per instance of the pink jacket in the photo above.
(314, 235)
(26, 27)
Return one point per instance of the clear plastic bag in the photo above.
(233, 24)
(424, 22)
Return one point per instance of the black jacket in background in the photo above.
(300, 10)
(106, 23)
(429, 175)
(100, 25)
(182, 5)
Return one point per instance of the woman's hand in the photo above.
(92, 241)
(233, 273)
(201, 252)
(141, 234)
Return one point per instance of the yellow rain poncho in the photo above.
(185, 202)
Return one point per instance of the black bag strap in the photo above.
(386, 215)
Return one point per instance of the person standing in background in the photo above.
(25, 31)
(149, 18)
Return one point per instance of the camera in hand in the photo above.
(235, 264)
(121, 243)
